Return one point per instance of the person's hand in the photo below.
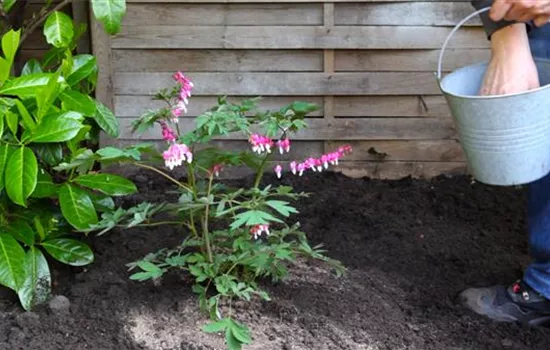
(511, 68)
(537, 11)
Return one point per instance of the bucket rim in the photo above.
(490, 97)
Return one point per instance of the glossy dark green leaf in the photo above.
(78, 102)
(83, 66)
(36, 288)
(110, 13)
(31, 67)
(21, 175)
(25, 86)
(59, 29)
(110, 184)
(77, 207)
(5, 151)
(12, 262)
(44, 186)
(69, 251)
(21, 231)
(49, 153)
(106, 120)
(58, 127)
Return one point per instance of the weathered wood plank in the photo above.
(340, 129)
(201, 14)
(290, 84)
(295, 37)
(444, 13)
(406, 60)
(217, 60)
(271, 1)
(391, 106)
(422, 150)
(399, 170)
(133, 106)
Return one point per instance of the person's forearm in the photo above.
(510, 39)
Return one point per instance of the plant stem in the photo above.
(205, 223)
(160, 223)
(260, 173)
(41, 20)
(164, 174)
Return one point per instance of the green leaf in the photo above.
(1, 123)
(102, 203)
(12, 262)
(21, 231)
(45, 187)
(58, 127)
(5, 69)
(78, 102)
(241, 332)
(77, 207)
(26, 86)
(69, 251)
(48, 95)
(110, 13)
(282, 207)
(49, 153)
(10, 44)
(83, 66)
(8, 4)
(216, 327)
(83, 159)
(106, 120)
(12, 120)
(232, 342)
(31, 67)
(27, 121)
(36, 288)
(112, 185)
(20, 175)
(253, 217)
(151, 271)
(5, 151)
(59, 29)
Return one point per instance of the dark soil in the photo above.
(410, 246)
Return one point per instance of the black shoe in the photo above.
(517, 303)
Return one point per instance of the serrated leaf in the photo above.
(12, 262)
(77, 207)
(21, 175)
(36, 288)
(232, 342)
(110, 13)
(253, 217)
(215, 327)
(282, 207)
(110, 184)
(58, 127)
(59, 29)
(241, 333)
(106, 120)
(69, 251)
(78, 102)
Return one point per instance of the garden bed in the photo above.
(410, 247)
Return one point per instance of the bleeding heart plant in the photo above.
(232, 236)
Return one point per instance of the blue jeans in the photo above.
(537, 274)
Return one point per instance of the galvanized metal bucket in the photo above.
(506, 138)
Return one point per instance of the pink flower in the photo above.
(176, 155)
(257, 230)
(284, 145)
(278, 171)
(318, 164)
(260, 143)
(183, 97)
(216, 169)
(167, 133)
(293, 167)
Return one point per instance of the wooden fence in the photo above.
(368, 64)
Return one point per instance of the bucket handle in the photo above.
(460, 24)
